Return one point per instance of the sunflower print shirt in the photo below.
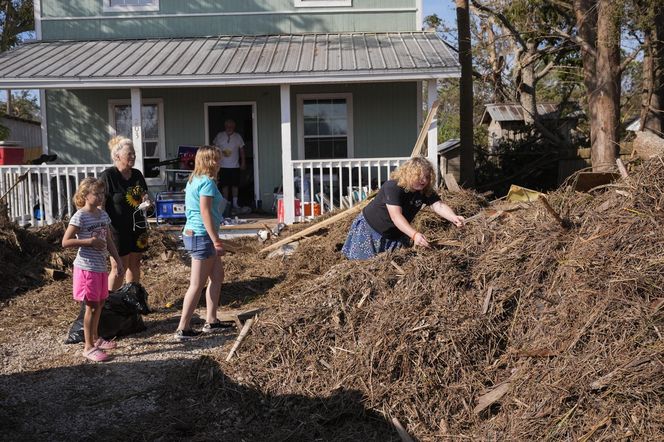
(123, 197)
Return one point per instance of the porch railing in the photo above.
(43, 194)
(324, 185)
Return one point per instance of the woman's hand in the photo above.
(97, 243)
(219, 248)
(420, 240)
(457, 220)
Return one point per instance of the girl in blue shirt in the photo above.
(204, 207)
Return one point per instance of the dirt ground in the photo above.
(154, 388)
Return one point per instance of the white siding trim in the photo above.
(266, 80)
(38, 19)
(220, 14)
(137, 127)
(288, 185)
(44, 122)
(129, 8)
(300, 120)
(432, 136)
(419, 15)
(254, 129)
(321, 3)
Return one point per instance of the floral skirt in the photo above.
(363, 242)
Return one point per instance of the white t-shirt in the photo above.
(230, 146)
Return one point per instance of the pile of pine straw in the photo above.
(518, 330)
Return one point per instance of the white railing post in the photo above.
(432, 136)
(286, 146)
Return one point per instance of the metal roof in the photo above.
(220, 60)
(514, 112)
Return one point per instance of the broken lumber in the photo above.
(622, 169)
(417, 149)
(493, 396)
(403, 434)
(451, 183)
(316, 227)
(487, 300)
(553, 213)
(240, 338)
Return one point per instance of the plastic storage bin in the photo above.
(11, 154)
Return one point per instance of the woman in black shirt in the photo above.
(125, 190)
(385, 223)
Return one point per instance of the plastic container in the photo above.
(170, 206)
(11, 154)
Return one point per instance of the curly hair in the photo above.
(116, 144)
(412, 171)
(206, 162)
(87, 186)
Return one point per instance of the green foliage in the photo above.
(4, 132)
(16, 17)
(24, 105)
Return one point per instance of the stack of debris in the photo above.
(516, 327)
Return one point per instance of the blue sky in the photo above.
(445, 9)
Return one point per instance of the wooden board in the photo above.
(588, 180)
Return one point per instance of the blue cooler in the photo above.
(169, 206)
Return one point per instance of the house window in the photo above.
(322, 3)
(152, 118)
(130, 5)
(325, 123)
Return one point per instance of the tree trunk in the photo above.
(526, 87)
(652, 103)
(497, 64)
(466, 94)
(597, 26)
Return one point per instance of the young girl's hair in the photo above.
(89, 184)
(206, 162)
(116, 144)
(412, 171)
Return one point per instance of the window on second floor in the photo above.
(130, 5)
(322, 3)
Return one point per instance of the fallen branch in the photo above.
(240, 338)
(403, 434)
(553, 213)
(318, 226)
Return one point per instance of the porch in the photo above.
(376, 79)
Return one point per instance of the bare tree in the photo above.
(466, 93)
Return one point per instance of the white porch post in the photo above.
(137, 127)
(432, 136)
(286, 168)
(44, 122)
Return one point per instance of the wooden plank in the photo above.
(316, 227)
(487, 301)
(451, 183)
(403, 434)
(586, 181)
(417, 149)
(240, 338)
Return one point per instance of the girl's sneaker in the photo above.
(211, 327)
(95, 355)
(185, 335)
(105, 345)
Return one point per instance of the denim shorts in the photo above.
(199, 246)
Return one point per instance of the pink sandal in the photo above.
(103, 344)
(96, 355)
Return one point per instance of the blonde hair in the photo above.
(87, 186)
(116, 144)
(412, 171)
(206, 162)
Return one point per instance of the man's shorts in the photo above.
(229, 177)
(199, 247)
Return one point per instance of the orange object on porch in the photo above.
(307, 209)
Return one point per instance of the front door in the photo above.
(243, 114)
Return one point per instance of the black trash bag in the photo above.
(121, 315)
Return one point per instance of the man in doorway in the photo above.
(232, 163)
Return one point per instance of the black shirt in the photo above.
(123, 196)
(376, 212)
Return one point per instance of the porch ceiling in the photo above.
(228, 60)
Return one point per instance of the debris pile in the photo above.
(515, 327)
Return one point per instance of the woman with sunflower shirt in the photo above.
(125, 190)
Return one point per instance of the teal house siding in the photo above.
(85, 19)
(384, 121)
